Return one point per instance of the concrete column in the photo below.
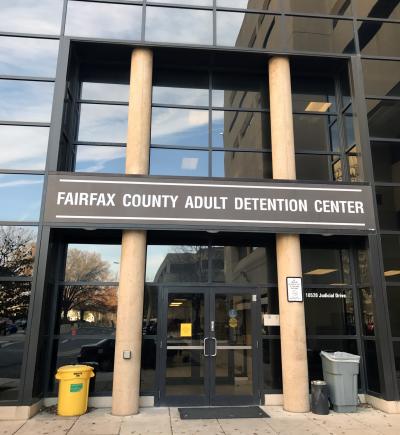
(126, 384)
(292, 319)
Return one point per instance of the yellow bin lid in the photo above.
(75, 370)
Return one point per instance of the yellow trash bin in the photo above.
(73, 389)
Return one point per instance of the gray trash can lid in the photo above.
(340, 356)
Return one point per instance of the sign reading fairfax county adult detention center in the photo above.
(151, 202)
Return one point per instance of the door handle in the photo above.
(215, 346)
(204, 346)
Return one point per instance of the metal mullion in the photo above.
(331, 337)
(64, 17)
(122, 2)
(240, 109)
(25, 123)
(392, 283)
(178, 147)
(383, 98)
(100, 144)
(22, 171)
(326, 114)
(16, 279)
(214, 25)
(179, 106)
(20, 223)
(378, 20)
(328, 286)
(386, 184)
(104, 103)
(375, 57)
(210, 117)
(318, 153)
(29, 35)
(89, 283)
(342, 131)
(250, 11)
(382, 139)
(176, 6)
(243, 150)
(27, 78)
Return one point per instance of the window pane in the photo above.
(393, 295)
(176, 263)
(103, 123)
(272, 5)
(14, 304)
(396, 350)
(315, 133)
(320, 35)
(272, 365)
(28, 57)
(391, 257)
(181, 87)
(314, 167)
(183, 127)
(326, 266)
(20, 197)
(367, 311)
(150, 316)
(269, 305)
(383, 118)
(241, 165)
(148, 366)
(235, 129)
(92, 262)
(184, 26)
(105, 91)
(31, 16)
(380, 84)
(379, 39)
(102, 20)
(100, 159)
(388, 200)
(244, 264)
(23, 147)
(371, 363)
(386, 161)
(362, 266)
(377, 8)
(239, 90)
(25, 101)
(180, 163)
(247, 30)
(326, 7)
(313, 94)
(17, 250)
(314, 348)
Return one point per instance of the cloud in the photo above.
(20, 182)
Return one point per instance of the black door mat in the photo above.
(220, 412)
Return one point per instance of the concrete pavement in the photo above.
(166, 421)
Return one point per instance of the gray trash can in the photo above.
(340, 373)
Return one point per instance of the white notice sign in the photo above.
(294, 289)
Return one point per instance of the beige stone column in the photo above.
(292, 319)
(126, 384)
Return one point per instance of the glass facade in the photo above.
(64, 91)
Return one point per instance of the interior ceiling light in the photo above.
(316, 106)
(320, 271)
(392, 272)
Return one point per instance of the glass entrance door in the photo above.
(208, 348)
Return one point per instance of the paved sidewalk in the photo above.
(165, 421)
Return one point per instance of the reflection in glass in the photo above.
(20, 197)
(391, 258)
(103, 20)
(179, 163)
(25, 101)
(329, 311)
(367, 311)
(183, 263)
(87, 262)
(362, 266)
(396, 351)
(28, 56)
(150, 316)
(104, 91)
(383, 118)
(272, 365)
(378, 8)
(320, 35)
(393, 296)
(271, 5)
(100, 123)
(386, 161)
(315, 133)
(388, 207)
(148, 366)
(244, 265)
(102, 159)
(315, 167)
(379, 39)
(31, 16)
(241, 165)
(240, 130)
(239, 90)
(23, 147)
(185, 26)
(326, 266)
(325, 7)
(269, 305)
(183, 127)
(314, 348)
(14, 304)
(17, 250)
(248, 30)
(380, 84)
(188, 88)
